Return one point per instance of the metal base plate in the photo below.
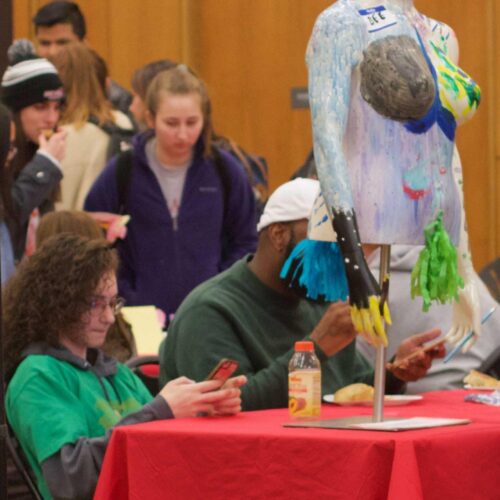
(388, 425)
(335, 423)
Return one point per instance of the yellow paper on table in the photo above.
(145, 327)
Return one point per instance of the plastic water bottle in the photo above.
(304, 382)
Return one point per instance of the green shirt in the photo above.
(51, 403)
(234, 315)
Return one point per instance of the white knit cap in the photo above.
(291, 201)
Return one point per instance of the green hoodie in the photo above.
(234, 315)
(62, 409)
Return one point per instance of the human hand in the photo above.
(115, 225)
(117, 228)
(412, 362)
(231, 405)
(466, 316)
(55, 145)
(187, 398)
(335, 329)
(161, 317)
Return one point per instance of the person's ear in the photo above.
(150, 120)
(279, 235)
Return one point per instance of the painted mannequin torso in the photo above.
(385, 174)
(396, 180)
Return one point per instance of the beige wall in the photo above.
(251, 52)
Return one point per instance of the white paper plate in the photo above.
(484, 388)
(392, 400)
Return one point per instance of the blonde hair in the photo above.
(76, 66)
(180, 81)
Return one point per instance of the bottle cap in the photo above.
(304, 345)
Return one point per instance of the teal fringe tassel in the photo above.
(318, 268)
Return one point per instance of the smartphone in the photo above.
(433, 343)
(223, 370)
(425, 348)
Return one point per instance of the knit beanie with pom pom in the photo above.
(29, 79)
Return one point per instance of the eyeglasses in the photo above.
(99, 304)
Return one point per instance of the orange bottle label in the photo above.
(304, 393)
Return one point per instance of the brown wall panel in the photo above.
(21, 17)
(251, 53)
(140, 32)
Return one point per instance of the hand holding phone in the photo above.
(425, 348)
(223, 370)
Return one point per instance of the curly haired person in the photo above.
(65, 395)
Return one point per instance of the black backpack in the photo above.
(120, 138)
(255, 167)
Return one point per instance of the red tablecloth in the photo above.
(252, 455)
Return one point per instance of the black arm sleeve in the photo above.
(33, 185)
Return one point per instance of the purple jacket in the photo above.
(159, 263)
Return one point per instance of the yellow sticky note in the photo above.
(145, 327)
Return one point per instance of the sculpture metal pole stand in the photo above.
(379, 380)
(378, 400)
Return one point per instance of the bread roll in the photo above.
(478, 379)
(354, 392)
(48, 133)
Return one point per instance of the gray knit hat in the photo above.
(29, 79)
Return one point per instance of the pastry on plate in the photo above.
(354, 392)
(478, 379)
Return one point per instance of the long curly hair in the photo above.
(51, 291)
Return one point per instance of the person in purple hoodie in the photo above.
(191, 206)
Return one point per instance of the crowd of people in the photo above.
(78, 151)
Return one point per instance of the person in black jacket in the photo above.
(33, 92)
(7, 150)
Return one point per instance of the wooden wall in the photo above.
(251, 53)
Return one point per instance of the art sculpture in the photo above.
(386, 96)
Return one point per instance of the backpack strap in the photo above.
(255, 168)
(221, 169)
(124, 165)
(93, 119)
(240, 154)
(107, 127)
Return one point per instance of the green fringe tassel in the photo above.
(435, 275)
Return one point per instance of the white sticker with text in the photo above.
(378, 18)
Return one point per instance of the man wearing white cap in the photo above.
(248, 313)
